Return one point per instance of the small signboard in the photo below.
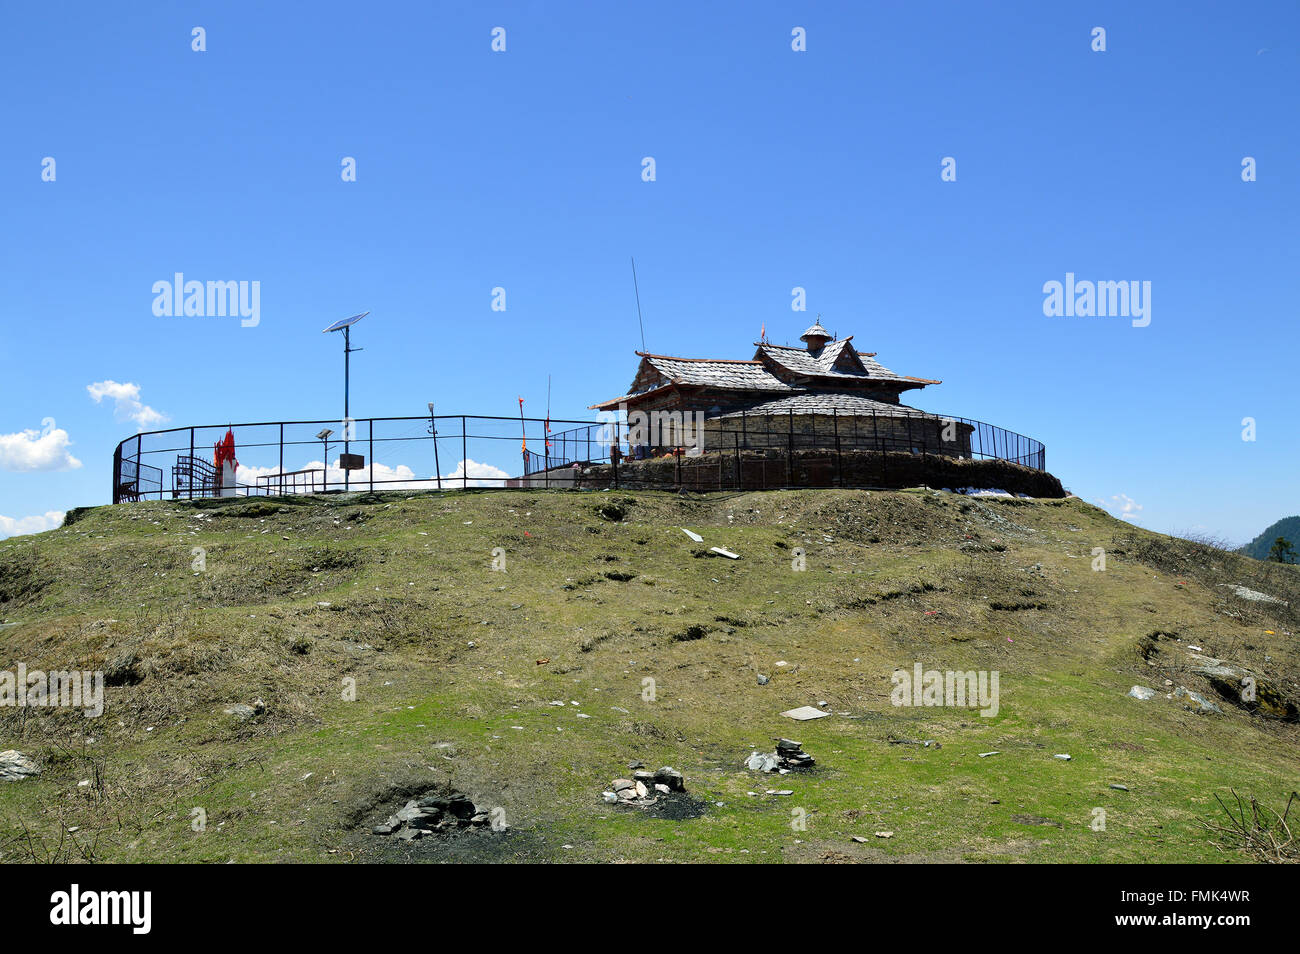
(352, 461)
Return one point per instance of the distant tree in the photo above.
(1281, 551)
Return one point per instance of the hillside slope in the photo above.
(526, 687)
(1287, 528)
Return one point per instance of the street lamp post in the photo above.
(324, 438)
(346, 327)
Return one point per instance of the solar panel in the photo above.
(339, 325)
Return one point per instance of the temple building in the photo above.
(826, 394)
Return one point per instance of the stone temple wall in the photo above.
(912, 434)
(771, 468)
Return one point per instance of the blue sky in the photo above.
(774, 169)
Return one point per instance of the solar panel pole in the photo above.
(347, 352)
(345, 326)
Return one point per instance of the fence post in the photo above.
(464, 456)
(839, 463)
(191, 480)
(880, 447)
(735, 438)
(281, 458)
(789, 456)
(371, 429)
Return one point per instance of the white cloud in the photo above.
(1122, 505)
(31, 450)
(127, 403)
(10, 527)
(400, 477)
(480, 475)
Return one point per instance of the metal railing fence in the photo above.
(468, 451)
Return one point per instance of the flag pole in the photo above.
(523, 431)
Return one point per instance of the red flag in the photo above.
(224, 450)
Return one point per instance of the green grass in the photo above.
(456, 666)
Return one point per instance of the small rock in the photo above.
(671, 777)
(409, 812)
(760, 762)
(1142, 692)
(1202, 704)
(14, 766)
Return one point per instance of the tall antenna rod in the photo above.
(638, 303)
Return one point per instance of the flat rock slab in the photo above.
(804, 713)
(1142, 692)
(1255, 596)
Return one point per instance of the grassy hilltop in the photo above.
(458, 668)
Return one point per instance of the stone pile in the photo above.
(434, 813)
(789, 755)
(645, 788)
